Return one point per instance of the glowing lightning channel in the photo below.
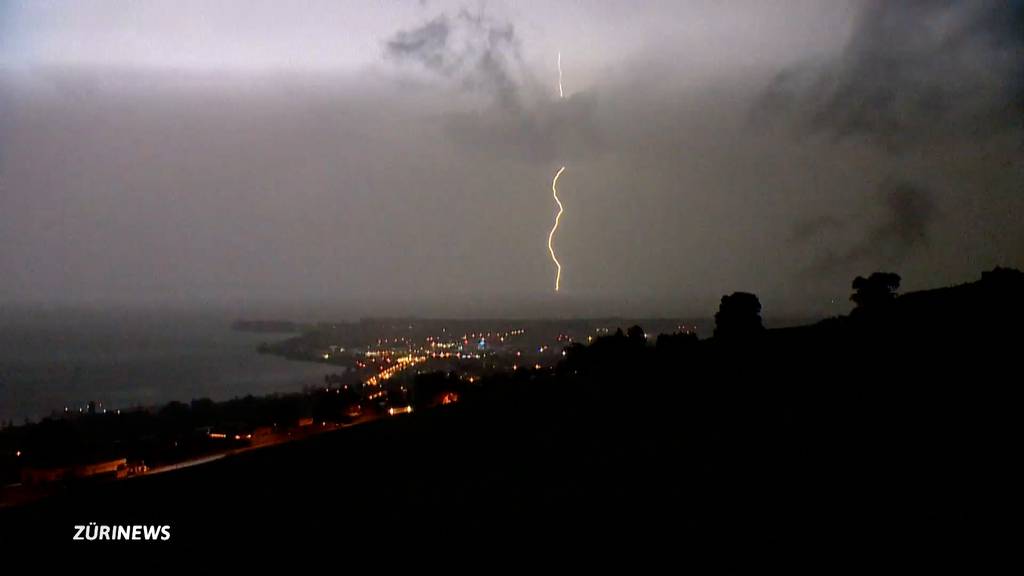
(560, 93)
(551, 235)
(554, 192)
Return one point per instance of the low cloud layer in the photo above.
(425, 177)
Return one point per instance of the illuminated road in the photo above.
(186, 464)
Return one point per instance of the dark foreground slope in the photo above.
(885, 432)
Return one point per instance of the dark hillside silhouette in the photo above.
(888, 431)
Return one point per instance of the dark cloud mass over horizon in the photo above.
(404, 153)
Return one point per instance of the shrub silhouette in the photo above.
(875, 294)
(738, 316)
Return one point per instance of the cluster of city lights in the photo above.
(400, 364)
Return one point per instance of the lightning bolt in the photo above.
(560, 93)
(551, 235)
(554, 192)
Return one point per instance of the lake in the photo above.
(51, 359)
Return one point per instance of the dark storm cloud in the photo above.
(481, 55)
(427, 44)
(908, 211)
(911, 70)
(427, 175)
(809, 229)
(911, 211)
(478, 51)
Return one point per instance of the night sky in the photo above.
(241, 151)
